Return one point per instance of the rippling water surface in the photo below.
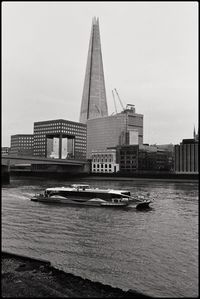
(155, 251)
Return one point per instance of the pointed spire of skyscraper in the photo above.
(94, 103)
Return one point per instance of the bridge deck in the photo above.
(5, 160)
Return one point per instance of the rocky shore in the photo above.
(29, 278)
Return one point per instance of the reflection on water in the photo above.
(154, 252)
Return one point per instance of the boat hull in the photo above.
(80, 202)
(95, 202)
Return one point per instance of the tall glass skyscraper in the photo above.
(94, 103)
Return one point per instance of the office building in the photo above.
(5, 150)
(22, 145)
(60, 138)
(156, 158)
(134, 158)
(186, 156)
(196, 136)
(125, 128)
(104, 161)
(94, 102)
(128, 158)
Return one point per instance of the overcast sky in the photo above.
(150, 55)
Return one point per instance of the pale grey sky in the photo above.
(150, 55)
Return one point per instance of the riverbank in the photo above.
(26, 277)
(115, 178)
(103, 177)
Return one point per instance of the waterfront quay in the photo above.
(52, 168)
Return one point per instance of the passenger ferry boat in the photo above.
(79, 194)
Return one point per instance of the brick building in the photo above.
(133, 158)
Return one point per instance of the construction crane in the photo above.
(98, 109)
(114, 101)
(119, 99)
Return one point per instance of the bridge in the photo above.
(16, 160)
(42, 164)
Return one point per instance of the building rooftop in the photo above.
(22, 135)
(189, 141)
(58, 120)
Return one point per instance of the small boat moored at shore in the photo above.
(80, 194)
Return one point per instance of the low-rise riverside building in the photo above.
(104, 161)
(134, 158)
(156, 157)
(21, 145)
(5, 150)
(186, 156)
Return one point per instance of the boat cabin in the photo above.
(80, 186)
(84, 191)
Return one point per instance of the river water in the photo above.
(154, 251)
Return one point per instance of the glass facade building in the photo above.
(94, 103)
(60, 139)
(125, 128)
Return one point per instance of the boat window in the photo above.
(126, 193)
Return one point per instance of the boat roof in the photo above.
(75, 186)
(80, 185)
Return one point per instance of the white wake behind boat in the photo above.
(80, 194)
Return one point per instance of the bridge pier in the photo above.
(5, 174)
